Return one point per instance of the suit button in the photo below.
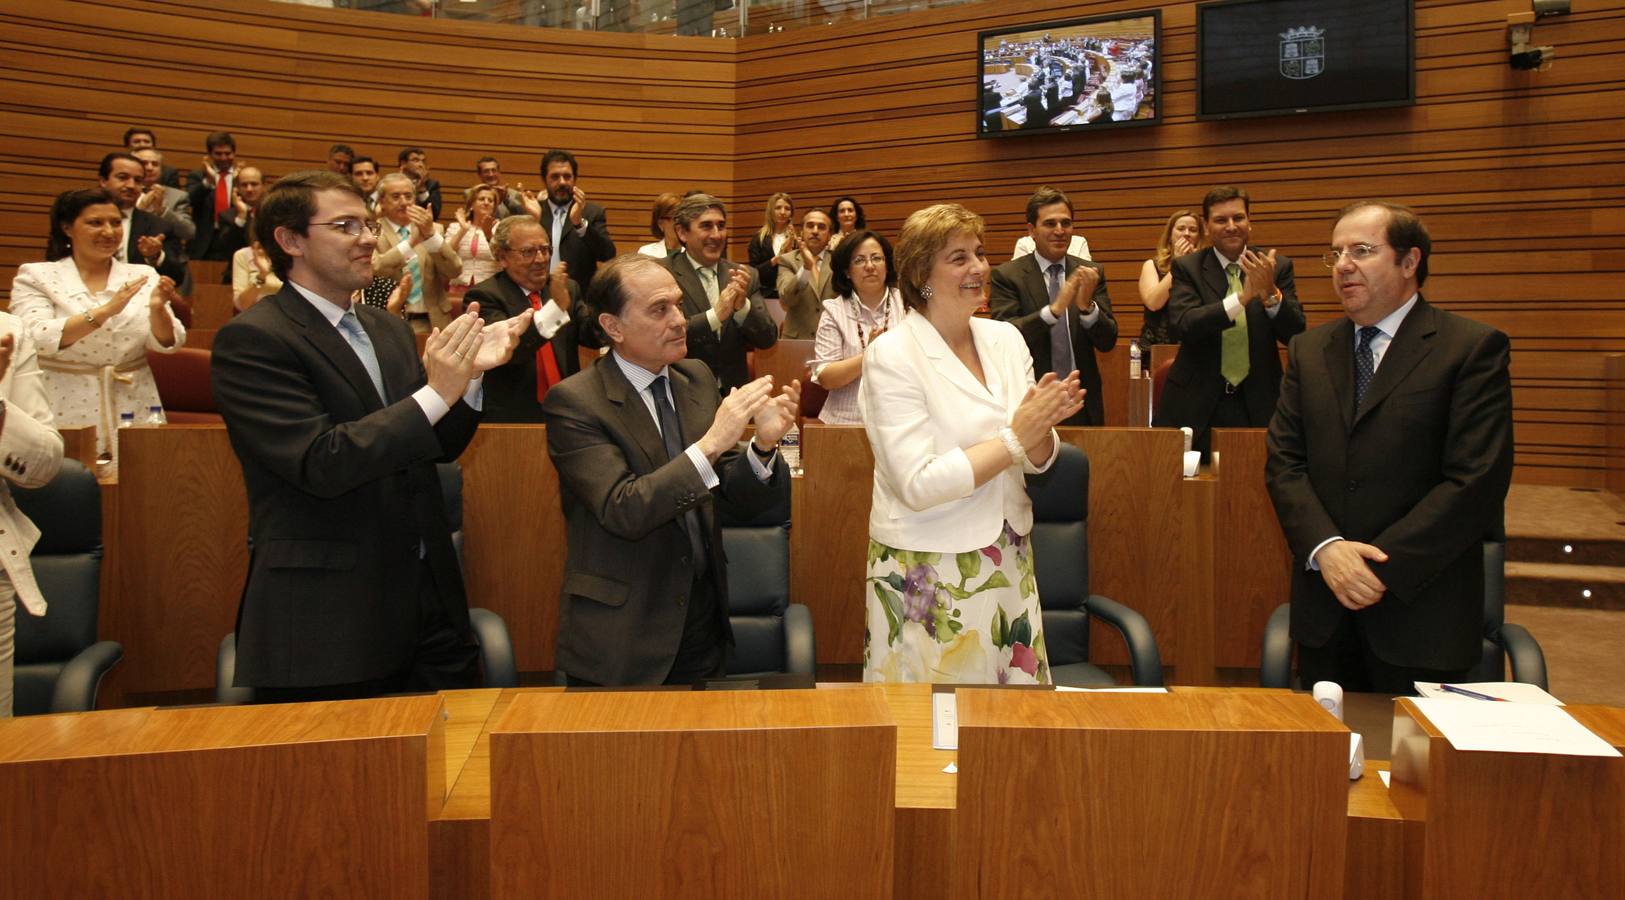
(682, 601)
(1353, 486)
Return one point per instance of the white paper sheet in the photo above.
(1112, 690)
(1513, 691)
(1385, 775)
(1512, 728)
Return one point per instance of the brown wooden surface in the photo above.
(1168, 795)
(181, 557)
(1483, 810)
(663, 794)
(211, 305)
(785, 360)
(80, 444)
(1252, 565)
(317, 799)
(829, 536)
(513, 542)
(1616, 424)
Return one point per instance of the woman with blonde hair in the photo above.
(1182, 235)
(471, 235)
(776, 236)
(956, 422)
(660, 225)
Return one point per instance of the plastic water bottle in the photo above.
(790, 446)
(1134, 366)
(155, 415)
(126, 418)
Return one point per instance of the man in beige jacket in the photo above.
(410, 241)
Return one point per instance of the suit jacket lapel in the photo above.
(397, 362)
(1340, 368)
(1408, 348)
(1037, 292)
(634, 414)
(1213, 274)
(327, 340)
(942, 358)
(689, 281)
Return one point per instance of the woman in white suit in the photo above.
(955, 420)
(93, 317)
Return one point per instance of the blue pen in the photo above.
(1473, 694)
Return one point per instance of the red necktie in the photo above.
(547, 365)
(222, 194)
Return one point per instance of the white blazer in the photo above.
(921, 408)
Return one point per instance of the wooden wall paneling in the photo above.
(1251, 560)
(514, 536)
(1616, 424)
(182, 557)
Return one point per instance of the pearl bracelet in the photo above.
(1012, 446)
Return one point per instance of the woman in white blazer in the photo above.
(954, 419)
(93, 317)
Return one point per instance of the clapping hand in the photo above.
(735, 412)
(1260, 272)
(149, 246)
(776, 416)
(578, 208)
(166, 293)
(732, 297)
(397, 297)
(449, 355)
(8, 346)
(1049, 401)
(422, 224)
(1079, 289)
(499, 339)
(558, 286)
(152, 200)
(533, 206)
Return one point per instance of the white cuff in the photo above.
(1312, 565)
(433, 406)
(431, 244)
(1048, 315)
(549, 319)
(762, 467)
(1232, 306)
(712, 320)
(703, 466)
(1088, 321)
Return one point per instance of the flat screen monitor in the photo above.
(1077, 75)
(1279, 57)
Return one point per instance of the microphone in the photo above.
(1329, 694)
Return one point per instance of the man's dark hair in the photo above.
(1405, 230)
(218, 139)
(132, 132)
(290, 204)
(692, 206)
(108, 160)
(363, 159)
(560, 156)
(341, 148)
(606, 293)
(1224, 194)
(65, 211)
(841, 262)
(485, 159)
(1043, 197)
(406, 153)
(835, 220)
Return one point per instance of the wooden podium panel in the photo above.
(1254, 574)
(693, 794)
(1202, 794)
(513, 536)
(829, 536)
(182, 557)
(1513, 824)
(312, 799)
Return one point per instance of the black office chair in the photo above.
(496, 648)
(771, 634)
(59, 664)
(1503, 640)
(1061, 565)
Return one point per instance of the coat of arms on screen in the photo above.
(1303, 52)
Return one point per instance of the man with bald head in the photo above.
(159, 199)
(1390, 454)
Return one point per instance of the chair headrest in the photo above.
(68, 511)
(1062, 493)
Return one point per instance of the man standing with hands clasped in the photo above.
(643, 445)
(1390, 455)
(354, 588)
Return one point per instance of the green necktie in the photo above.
(1233, 362)
(708, 278)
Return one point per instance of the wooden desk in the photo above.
(312, 799)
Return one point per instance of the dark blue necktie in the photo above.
(1365, 363)
(671, 433)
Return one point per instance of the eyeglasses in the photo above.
(529, 253)
(1356, 252)
(872, 260)
(351, 227)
